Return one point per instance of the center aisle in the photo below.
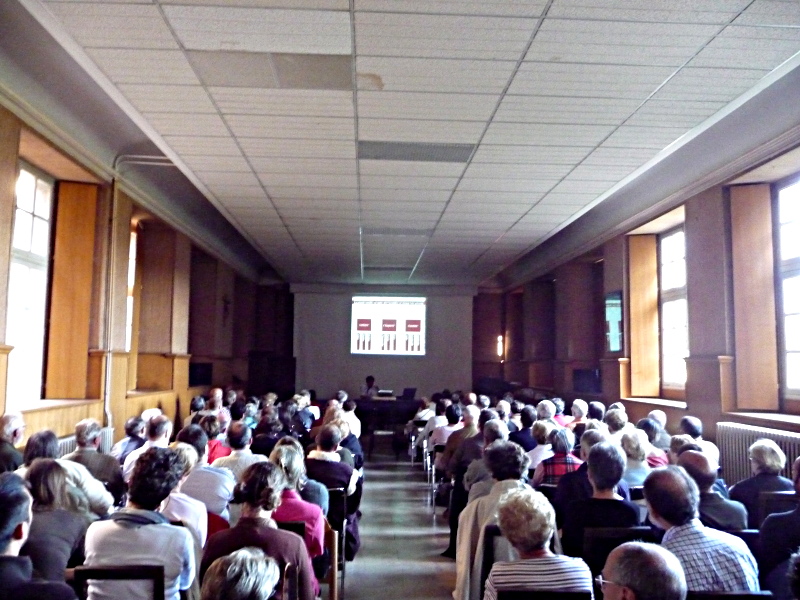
(400, 538)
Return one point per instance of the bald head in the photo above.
(672, 496)
(470, 414)
(649, 571)
(700, 467)
(659, 416)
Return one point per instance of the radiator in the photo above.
(733, 440)
(68, 444)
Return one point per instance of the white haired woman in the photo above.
(767, 461)
(528, 521)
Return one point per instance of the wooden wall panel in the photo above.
(9, 148)
(201, 303)
(487, 319)
(244, 317)
(753, 298)
(514, 328)
(643, 315)
(61, 417)
(71, 291)
(118, 255)
(155, 372)
(4, 350)
(157, 256)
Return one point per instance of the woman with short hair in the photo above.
(634, 444)
(767, 460)
(527, 521)
(247, 574)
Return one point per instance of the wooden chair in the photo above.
(542, 595)
(337, 502)
(332, 546)
(298, 527)
(154, 573)
(637, 493)
(775, 502)
(290, 583)
(598, 542)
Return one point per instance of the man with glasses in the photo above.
(639, 571)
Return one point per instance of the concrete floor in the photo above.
(400, 538)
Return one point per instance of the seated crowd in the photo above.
(206, 502)
(555, 477)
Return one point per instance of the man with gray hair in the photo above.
(246, 574)
(12, 429)
(545, 411)
(713, 561)
(639, 571)
(88, 435)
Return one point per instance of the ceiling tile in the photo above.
(771, 12)
(400, 182)
(416, 105)
(510, 8)
(206, 125)
(406, 130)
(318, 166)
(312, 128)
(309, 179)
(410, 168)
(297, 148)
(663, 11)
(210, 146)
(168, 98)
(544, 134)
(561, 109)
(391, 195)
(261, 30)
(517, 154)
(127, 65)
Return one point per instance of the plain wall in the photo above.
(322, 344)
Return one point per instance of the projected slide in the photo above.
(387, 325)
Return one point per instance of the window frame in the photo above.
(669, 389)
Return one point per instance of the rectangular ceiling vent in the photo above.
(396, 231)
(413, 151)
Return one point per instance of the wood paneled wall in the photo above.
(9, 148)
(71, 291)
(643, 315)
(753, 297)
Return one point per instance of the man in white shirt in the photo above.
(239, 438)
(211, 485)
(349, 408)
(158, 431)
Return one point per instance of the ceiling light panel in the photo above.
(414, 152)
(261, 30)
(392, 74)
(126, 65)
(111, 25)
(415, 105)
(168, 98)
(440, 36)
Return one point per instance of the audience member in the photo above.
(638, 571)
(245, 574)
(713, 561)
(634, 444)
(794, 575)
(196, 406)
(507, 463)
(527, 521)
(693, 427)
(159, 429)
(310, 490)
(437, 420)
(524, 436)
(478, 478)
(217, 448)
(605, 508)
(292, 507)
(677, 443)
(137, 534)
(658, 442)
(503, 408)
(551, 469)
(44, 444)
(715, 511)
(349, 407)
(16, 572)
(579, 411)
(560, 418)
(767, 460)
(259, 493)
(617, 421)
(182, 507)
(55, 539)
(596, 411)
(212, 486)
(12, 430)
(541, 431)
(134, 439)
(780, 533)
(239, 438)
(441, 434)
(88, 435)
(267, 432)
(545, 411)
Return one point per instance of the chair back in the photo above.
(548, 489)
(290, 583)
(637, 493)
(598, 542)
(337, 509)
(298, 527)
(775, 502)
(542, 595)
(216, 524)
(154, 573)
(332, 548)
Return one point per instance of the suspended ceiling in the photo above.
(418, 141)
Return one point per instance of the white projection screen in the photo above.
(388, 325)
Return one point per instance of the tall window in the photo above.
(789, 266)
(27, 287)
(673, 307)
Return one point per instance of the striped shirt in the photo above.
(548, 573)
(712, 560)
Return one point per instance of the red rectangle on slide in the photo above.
(414, 325)
(390, 325)
(364, 325)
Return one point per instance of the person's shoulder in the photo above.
(44, 590)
